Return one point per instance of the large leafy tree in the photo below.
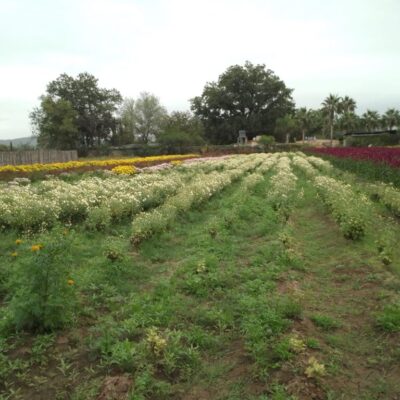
(148, 117)
(331, 106)
(182, 129)
(75, 113)
(248, 97)
(54, 122)
(126, 127)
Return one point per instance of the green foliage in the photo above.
(142, 119)
(248, 97)
(42, 289)
(98, 218)
(75, 113)
(389, 319)
(266, 140)
(325, 322)
(381, 140)
(285, 128)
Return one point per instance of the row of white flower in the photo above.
(40, 205)
(348, 208)
(202, 187)
(98, 200)
(283, 185)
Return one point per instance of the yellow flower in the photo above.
(70, 282)
(14, 254)
(36, 247)
(18, 242)
(124, 169)
(176, 162)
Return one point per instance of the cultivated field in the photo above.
(264, 276)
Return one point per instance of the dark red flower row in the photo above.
(387, 155)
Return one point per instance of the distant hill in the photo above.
(30, 140)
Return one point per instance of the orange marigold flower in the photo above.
(36, 247)
(70, 282)
(18, 241)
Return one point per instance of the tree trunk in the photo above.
(331, 134)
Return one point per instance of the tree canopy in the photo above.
(75, 113)
(248, 97)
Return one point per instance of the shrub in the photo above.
(42, 286)
(98, 219)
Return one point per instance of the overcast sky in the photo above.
(173, 47)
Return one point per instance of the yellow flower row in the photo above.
(124, 170)
(91, 163)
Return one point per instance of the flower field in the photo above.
(73, 165)
(260, 276)
(380, 155)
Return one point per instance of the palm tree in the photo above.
(303, 119)
(348, 121)
(348, 105)
(391, 119)
(331, 107)
(371, 120)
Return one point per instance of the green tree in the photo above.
(285, 127)
(348, 105)
(248, 97)
(371, 120)
(54, 122)
(126, 131)
(181, 128)
(331, 107)
(391, 119)
(148, 117)
(89, 111)
(349, 121)
(303, 118)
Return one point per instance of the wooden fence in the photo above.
(37, 156)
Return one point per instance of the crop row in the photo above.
(383, 155)
(349, 209)
(193, 194)
(96, 200)
(91, 163)
(282, 188)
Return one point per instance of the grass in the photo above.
(325, 322)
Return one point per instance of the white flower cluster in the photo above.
(109, 197)
(349, 209)
(196, 192)
(283, 185)
(42, 204)
(387, 195)
(304, 165)
(321, 164)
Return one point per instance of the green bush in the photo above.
(41, 285)
(266, 140)
(389, 319)
(98, 219)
